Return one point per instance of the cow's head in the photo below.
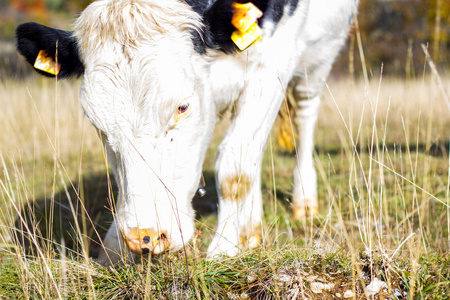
(143, 89)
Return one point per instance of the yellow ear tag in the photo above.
(45, 62)
(245, 17)
(244, 39)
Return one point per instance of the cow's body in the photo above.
(156, 76)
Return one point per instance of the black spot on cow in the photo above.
(217, 15)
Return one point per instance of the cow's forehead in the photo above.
(164, 71)
(130, 23)
(145, 43)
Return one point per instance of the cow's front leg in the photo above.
(238, 168)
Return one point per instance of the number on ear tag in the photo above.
(244, 39)
(45, 62)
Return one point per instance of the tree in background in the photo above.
(15, 11)
(32, 7)
(392, 32)
(77, 5)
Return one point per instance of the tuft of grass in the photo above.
(286, 274)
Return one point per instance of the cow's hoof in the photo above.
(144, 241)
(301, 213)
(250, 241)
(108, 259)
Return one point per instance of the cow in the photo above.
(156, 76)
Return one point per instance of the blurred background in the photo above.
(391, 34)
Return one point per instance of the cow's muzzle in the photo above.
(146, 241)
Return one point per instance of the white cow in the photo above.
(157, 73)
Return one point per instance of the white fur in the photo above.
(139, 69)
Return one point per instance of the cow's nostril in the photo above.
(162, 237)
(145, 250)
(161, 244)
(146, 239)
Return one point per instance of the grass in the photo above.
(383, 165)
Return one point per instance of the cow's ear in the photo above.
(32, 38)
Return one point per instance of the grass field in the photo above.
(382, 157)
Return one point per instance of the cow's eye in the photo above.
(182, 110)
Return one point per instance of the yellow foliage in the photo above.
(285, 123)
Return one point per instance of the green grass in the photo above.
(262, 274)
(383, 166)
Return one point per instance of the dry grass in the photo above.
(42, 118)
(382, 160)
(405, 109)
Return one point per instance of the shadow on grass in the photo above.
(435, 149)
(85, 208)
